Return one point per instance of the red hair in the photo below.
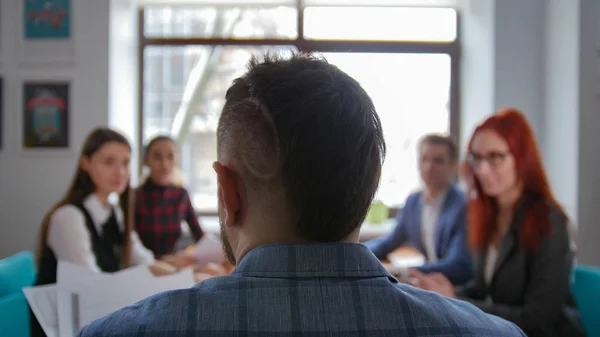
(513, 127)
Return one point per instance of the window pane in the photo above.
(380, 23)
(410, 93)
(153, 70)
(216, 67)
(153, 115)
(176, 68)
(221, 22)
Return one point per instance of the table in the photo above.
(368, 231)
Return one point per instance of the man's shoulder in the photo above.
(413, 199)
(460, 196)
(210, 305)
(454, 317)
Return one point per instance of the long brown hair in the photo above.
(82, 186)
(513, 127)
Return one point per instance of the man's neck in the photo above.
(248, 243)
(432, 193)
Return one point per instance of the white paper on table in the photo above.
(406, 262)
(42, 301)
(107, 296)
(71, 279)
(209, 249)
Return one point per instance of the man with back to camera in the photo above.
(300, 149)
(433, 220)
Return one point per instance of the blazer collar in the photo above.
(510, 241)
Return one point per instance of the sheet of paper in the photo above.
(70, 280)
(74, 280)
(42, 301)
(209, 249)
(110, 295)
(82, 296)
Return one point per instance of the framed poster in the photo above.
(45, 115)
(47, 19)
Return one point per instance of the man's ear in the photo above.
(229, 196)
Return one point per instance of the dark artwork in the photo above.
(45, 115)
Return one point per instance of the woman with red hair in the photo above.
(517, 231)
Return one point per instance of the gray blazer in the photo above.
(530, 288)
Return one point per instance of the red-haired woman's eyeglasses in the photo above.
(494, 159)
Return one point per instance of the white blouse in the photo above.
(490, 264)
(70, 240)
(430, 214)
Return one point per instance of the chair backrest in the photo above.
(585, 289)
(16, 271)
(15, 316)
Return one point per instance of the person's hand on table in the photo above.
(160, 268)
(435, 282)
(180, 260)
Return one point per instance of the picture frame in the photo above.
(45, 34)
(46, 19)
(46, 114)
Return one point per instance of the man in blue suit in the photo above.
(434, 220)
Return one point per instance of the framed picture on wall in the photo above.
(45, 115)
(46, 19)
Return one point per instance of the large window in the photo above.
(404, 57)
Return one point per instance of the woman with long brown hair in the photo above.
(518, 233)
(86, 227)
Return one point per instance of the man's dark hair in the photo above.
(437, 139)
(304, 125)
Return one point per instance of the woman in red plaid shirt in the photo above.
(161, 204)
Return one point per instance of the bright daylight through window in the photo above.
(184, 83)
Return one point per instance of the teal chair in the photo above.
(586, 289)
(16, 271)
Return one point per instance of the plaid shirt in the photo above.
(338, 289)
(159, 212)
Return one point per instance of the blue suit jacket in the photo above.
(454, 258)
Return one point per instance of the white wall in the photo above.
(30, 182)
(561, 102)
(588, 197)
(477, 65)
(502, 60)
(123, 74)
(519, 58)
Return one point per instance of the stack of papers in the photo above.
(81, 296)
